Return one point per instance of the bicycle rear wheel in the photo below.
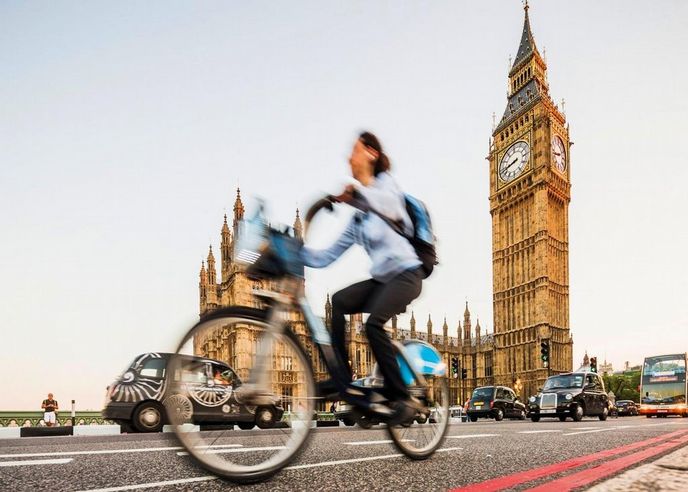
(272, 387)
(420, 440)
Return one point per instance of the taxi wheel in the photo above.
(349, 422)
(265, 417)
(422, 418)
(522, 416)
(604, 414)
(562, 418)
(535, 418)
(148, 417)
(247, 426)
(499, 415)
(578, 413)
(473, 418)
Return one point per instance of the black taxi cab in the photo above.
(574, 394)
(198, 390)
(496, 402)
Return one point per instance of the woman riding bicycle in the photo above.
(396, 270)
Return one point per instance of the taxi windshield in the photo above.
(564, 381)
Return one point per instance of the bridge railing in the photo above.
(35, 418)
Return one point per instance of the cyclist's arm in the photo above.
(319, 258)
(384, 197)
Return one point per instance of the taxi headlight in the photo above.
(569, 396)
(532, 399)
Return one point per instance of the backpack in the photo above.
(423, 239)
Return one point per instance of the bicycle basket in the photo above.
(251, 238)
(266, 252)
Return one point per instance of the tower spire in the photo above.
(298, 228)
(527, 77)
(225, 250)
(238, 211)
(527, 45)
(328, 311)
(211, 267)
(203, 288)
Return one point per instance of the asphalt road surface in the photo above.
(349, 458)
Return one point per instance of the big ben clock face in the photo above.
(514, 161)
(558, 153)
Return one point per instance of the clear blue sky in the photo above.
(126, 126)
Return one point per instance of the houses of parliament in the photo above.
(529, 197)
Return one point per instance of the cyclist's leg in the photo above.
(391, 299)
(349, 300)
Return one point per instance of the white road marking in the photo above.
(539, 431)
(590, 431)
(237, 450)
(139, 486)
(585, 428)
(208, 478)
(107, 451)
(358, 460)
(444, 450)
(468, 436)
(35, 462)
(383, 441)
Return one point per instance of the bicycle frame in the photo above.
(321, 337)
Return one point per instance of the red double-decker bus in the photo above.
(663, 386)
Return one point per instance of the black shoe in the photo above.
(327, 389)
(405, 411)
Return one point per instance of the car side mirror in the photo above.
(540, 389)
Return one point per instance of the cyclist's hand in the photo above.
(346, 196)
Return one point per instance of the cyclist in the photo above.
(396, 271)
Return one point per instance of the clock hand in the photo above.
(511, 164)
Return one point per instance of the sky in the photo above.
(125, 128)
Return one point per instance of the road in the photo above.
(472, 453)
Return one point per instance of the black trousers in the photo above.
(382, 301)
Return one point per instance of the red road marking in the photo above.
(595, 473)
(530, 475)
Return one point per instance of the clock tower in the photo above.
(529, 199)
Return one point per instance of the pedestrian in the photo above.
(50, 407)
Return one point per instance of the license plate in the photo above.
(478, 404)
(548, 411)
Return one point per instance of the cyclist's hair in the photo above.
(382, 163)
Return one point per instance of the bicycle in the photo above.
(279, 360)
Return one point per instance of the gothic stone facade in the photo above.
(237, 344)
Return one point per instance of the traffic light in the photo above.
(464, 374)
(455, 367)
(544, 353)
(593, 364)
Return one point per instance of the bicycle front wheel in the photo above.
(244, 373)
(425, 434)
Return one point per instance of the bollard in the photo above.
(73, 413)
